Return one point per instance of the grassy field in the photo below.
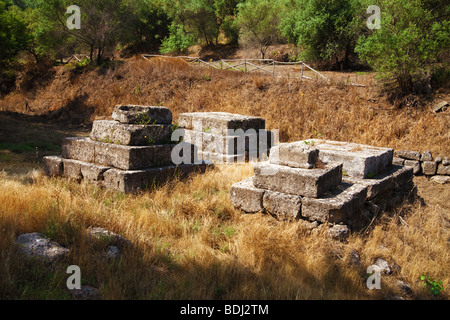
(187, 240)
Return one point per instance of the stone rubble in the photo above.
(423, 163)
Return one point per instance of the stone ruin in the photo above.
(224, 137)
(129, 153)
(332, 183)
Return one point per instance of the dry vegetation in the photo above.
(187, 240)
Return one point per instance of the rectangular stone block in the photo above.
(408, 155)
(118, 156)
(443, 170)
(246, 197)
(415, 164)
(381, 183)
(284, 206)
(342, 204)
(93, 172)
(429, 168)
(134, 114)
(398, 161)
(132, 181)
(78, 148)
(111, 131)
(222, 123)
(297, 181)
(53, 166)
(358, 160)
(295, 154)
(72, 169)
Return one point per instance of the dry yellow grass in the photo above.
(188, 242)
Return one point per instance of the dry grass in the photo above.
(187, 240)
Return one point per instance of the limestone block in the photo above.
(53, 166)
(138, 180)
(118, 156)
(409, 155)
(129, 134)
(246, 197)
(134, 114)
(78, 148)
(443, 169)
(342, 204)
(446, 161)
(358, 160)
(295, 154)
(415, 164)
(426, 156)
(285, 206)
(429, 168)
(72, 169)
(297, 181)
(93, 172)
(36, 245)
(398, 161)
(222, 123)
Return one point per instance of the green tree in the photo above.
(258, 20)
(412, 42)
(326, 30)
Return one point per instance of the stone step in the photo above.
(229, 145)
(134, 114)
(79, 170)
(358, 160)
(342, 204)
(132, 181)
(118, 156)
(295, 155)
(222, 123)
(297, 181)
(395, 177)
(284, 206)
(246, 197)
(112, 131)
(52, 166)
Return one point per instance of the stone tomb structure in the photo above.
(129, 153)
(225, 137)
(323, 182)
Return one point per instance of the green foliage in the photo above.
(177, 42)
(434, 285)
(413, 37)
(258, 20)
(326, 30)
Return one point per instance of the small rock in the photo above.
(85, 293)
(113, 252)
(441, 106)
(383, 265)
(441, 179)
(339, 232)
(446, 161)
(36, 245)
(106, 235)
(403, 286)
(438, 160)
(415, 164)
(426, 156)
(409, 155)
(398, 161)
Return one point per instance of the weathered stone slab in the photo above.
(137, 180)
(72, 169)
(111, 131)
(443, 169)
(222, 123)
(295, 154)
(297, 181)
(93, 172)
(429, 168)
(78, 148)
(36, 245)
(398, 161)
(285, 206)
(53, 166)
(134, 114)
(383, 182)
(358, 160)
(228, 159)
(426, 156)
(342, 204)
(415, 164)
(441, 179)
(246, 197)
(409, 155)
(118, 156)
